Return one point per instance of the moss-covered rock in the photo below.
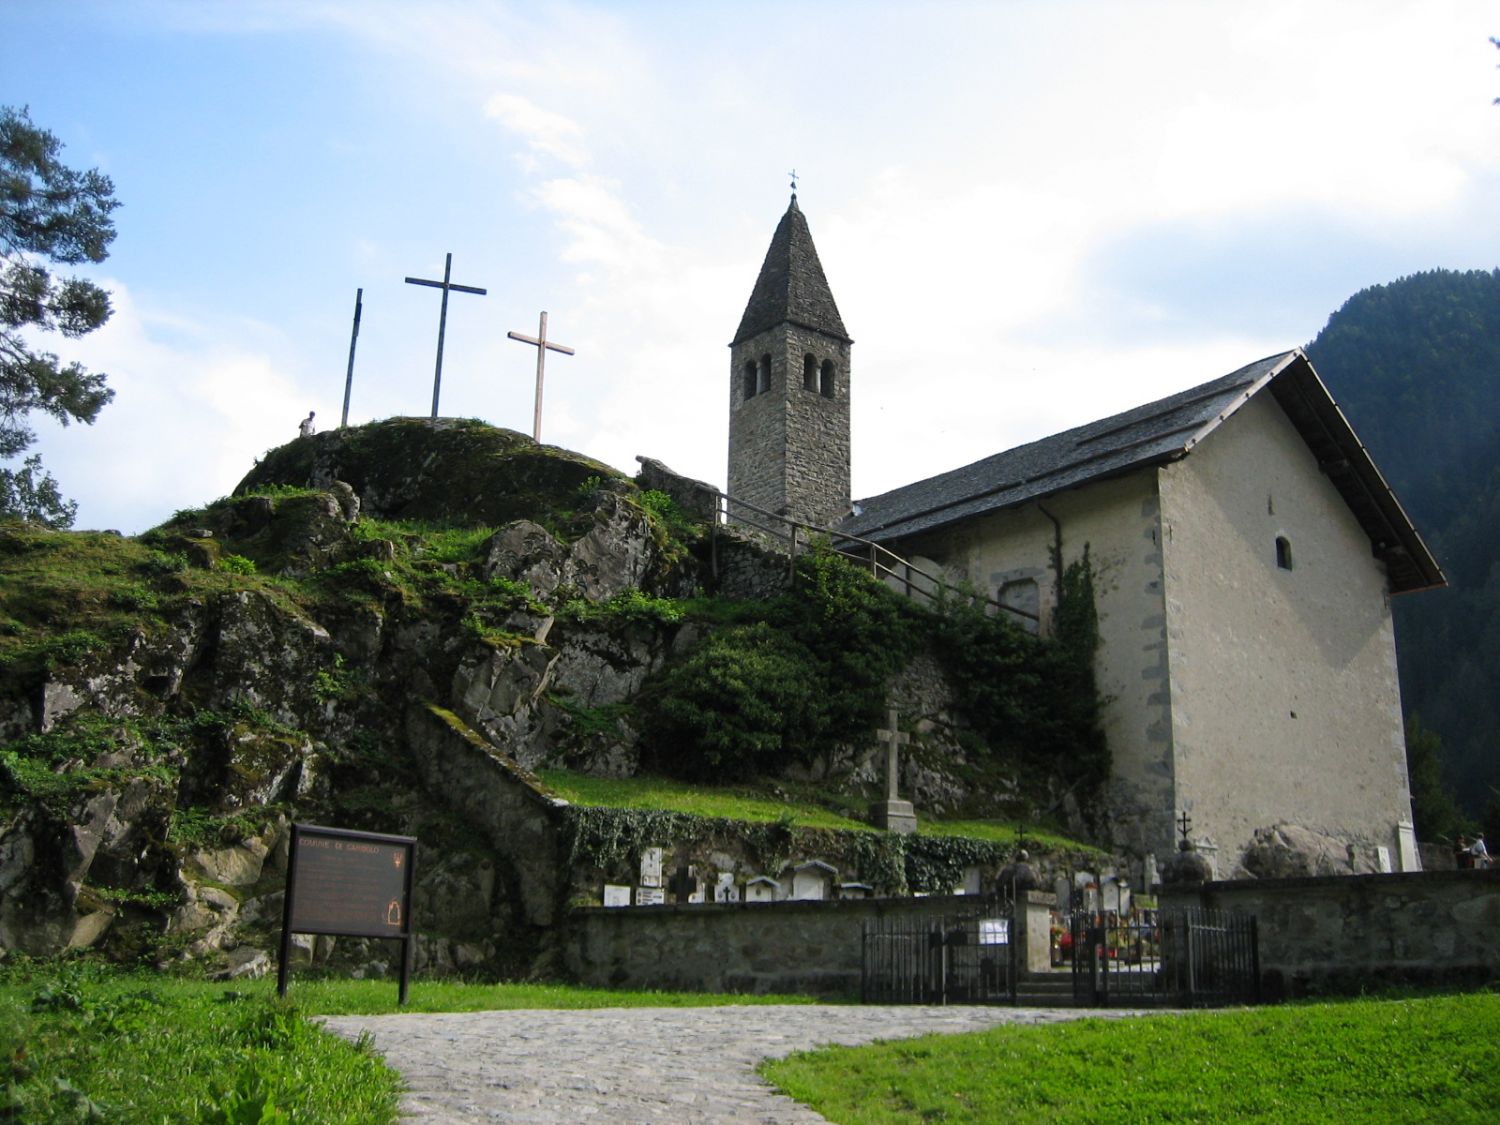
(443, 470)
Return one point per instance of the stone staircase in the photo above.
(1046, 990)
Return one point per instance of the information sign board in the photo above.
(348, 883)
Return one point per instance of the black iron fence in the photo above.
(962, 955)
(1184, 958)
(973, 953)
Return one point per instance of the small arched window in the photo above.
(825, 383)
(1283, 552)
(763, 383)
(809, 372)
(749, 382)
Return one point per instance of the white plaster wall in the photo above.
(1118, 521)
(1285, 705)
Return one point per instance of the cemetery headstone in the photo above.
(813, 880)
(724, 888)
(684, 884)
(650, 896)
(616, 895)
(762, 888)
(651, 867)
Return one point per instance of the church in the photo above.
(1245, 551)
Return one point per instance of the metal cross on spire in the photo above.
(445, 285)
(1184, 824)
(542, 346)
(793, 174)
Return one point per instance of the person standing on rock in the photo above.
(306, 426)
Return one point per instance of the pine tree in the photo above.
(49, 213)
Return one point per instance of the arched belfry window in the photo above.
(749, 381)
(1283, 552)
(825, 382)
(763, 383)
(809, 372)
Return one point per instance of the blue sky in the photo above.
(1031, 214)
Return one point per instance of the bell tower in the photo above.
(789, 386)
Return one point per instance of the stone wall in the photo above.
(1354, 933)
(811, 948)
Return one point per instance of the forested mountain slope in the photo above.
(1416, 366)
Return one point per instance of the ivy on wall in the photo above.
(612, 841)
(813, 671)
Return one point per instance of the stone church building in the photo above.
(1245, 551)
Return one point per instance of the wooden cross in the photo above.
(894, 739)
(542, 346)
(359, 304)
(445, 285)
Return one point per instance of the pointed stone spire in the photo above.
(791, 286)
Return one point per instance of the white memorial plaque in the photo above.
(651, 867)
(650, 896)
(616, 895)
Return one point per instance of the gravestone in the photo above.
(724, 888)
(684, 885)
(813, 881)
(762, 888)
(856, 890)
(1062, 890)
(973, 881)
(1109, 896)
(894, 814)
(650, 896)
(651, 867)
(616, 894)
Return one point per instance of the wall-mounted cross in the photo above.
(542, 346)
(894, 739)
(445, 285)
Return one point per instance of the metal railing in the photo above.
(1184, 958)
(962, 955)
(884, 564)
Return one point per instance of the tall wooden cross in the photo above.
(542, 346)
(359, 304)
(445, 285)
(894, 739)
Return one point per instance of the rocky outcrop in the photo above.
(283, 655)
(1287, 851)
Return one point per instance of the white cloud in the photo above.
(545, 133)
(188, 419)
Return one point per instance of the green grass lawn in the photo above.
(804, 806)
(84, 1043)
(1430, 1059)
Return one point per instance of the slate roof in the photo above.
(791, 285)
(1155, 434)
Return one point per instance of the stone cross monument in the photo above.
(894, 814)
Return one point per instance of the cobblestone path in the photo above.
(635, 1066)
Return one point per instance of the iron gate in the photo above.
(956, 955)
(1187, 958)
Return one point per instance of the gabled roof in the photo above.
(791, 286)
(1155, 434)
